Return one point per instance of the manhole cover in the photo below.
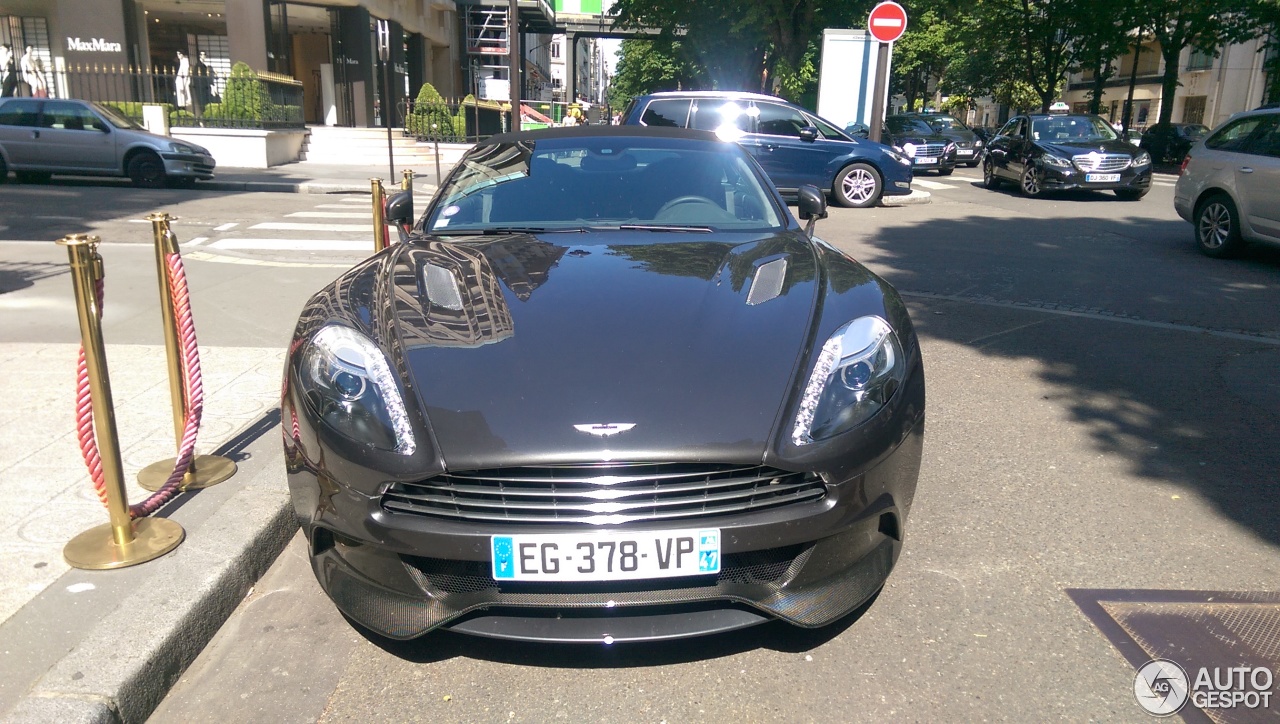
(1225, 641)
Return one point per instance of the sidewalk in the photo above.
(316, 178)
(106, 646)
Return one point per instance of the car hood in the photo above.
(522, 349)
(1068, 149)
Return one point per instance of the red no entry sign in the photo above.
(888, 22)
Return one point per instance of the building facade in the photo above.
(330, 46)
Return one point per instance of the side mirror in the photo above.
(813, 206)
(809, 134)
(399, 209)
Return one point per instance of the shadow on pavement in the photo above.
(15, 275)
(1194, 410)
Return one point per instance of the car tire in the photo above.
(989, 178)
(1032, 182)
(945, 171)
(1131, 194)
(858, 185)
(146, 171)
(1217, 227)
(33, 177)
(4, 171)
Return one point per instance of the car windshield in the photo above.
(114, 117)
(946, 123)
(908, 125)
(589, 183)
(1066, 129)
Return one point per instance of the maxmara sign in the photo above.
(92, 45)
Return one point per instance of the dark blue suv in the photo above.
(792, 145)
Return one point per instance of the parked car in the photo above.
(606, 389)
(1043, 153)
(1133, 136)
(968, 143)
(1169, 142)
(39, 138)
(1229, 188)
(857, 129)
(928, 149)
(792, 145)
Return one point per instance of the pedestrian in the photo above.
(8, 72)
(202, 86)
(182, 82)
(33, 73)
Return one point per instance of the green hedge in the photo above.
(431, 117)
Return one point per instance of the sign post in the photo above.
(887, 23)
(384, 57)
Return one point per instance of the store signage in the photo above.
(92, 45)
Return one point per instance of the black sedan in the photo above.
(968, 142)
(929, 150)
(606, 389)
(1043, 153)
(1170, 142)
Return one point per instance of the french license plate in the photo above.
(926, 161)
(605, 556)
(965, 151)
(1101, 177)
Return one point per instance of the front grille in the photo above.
(930, 150)
(1102, 161)
(602, 494)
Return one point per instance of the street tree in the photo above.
(924, 52)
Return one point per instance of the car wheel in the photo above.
(1032, 182)
(4, 171)
(989, 178)
(33, 177)
(858, 185)
(1217, 225)
(945, 171)
(146, 171)
(1132, 194)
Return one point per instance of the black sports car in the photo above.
(929, 149)
(606, 389)
(1057, 152)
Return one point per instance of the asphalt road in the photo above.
(1103, 410)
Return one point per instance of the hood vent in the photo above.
(767, 283)
(442, 287)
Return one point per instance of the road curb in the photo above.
(916, 197)
(120, 670)
(286, 187)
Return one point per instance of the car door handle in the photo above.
(35, 134)
(770, 146)
(1245, 169)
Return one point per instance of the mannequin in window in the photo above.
(202, 85)
(182, 82)
(8, 72)
(33, 73)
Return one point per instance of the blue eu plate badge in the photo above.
(504, 565)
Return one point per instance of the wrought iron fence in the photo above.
(242, 99)
(468, 119)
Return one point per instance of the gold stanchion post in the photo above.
(205, 470)
(122, 542)
(406, 183)
(379, 215)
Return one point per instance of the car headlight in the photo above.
(977, 143)
(1143, 159)
(1058, 161)
(898, 157)
(858, 371)
(347, 382)
(183, 148)
(909, 149)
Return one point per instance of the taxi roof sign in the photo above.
(1059, 108)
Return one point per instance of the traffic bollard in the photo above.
(123, 541)
(379, 215)
(406, 183)
(205, 470)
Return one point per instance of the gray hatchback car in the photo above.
(39, 138)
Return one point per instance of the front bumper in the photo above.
(1061, 179)
(189, 164)
(808, 564)
(942, 163)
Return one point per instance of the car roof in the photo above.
(604, 132)
(731, 95)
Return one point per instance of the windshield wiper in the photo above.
(507, 230)
(664, 227)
